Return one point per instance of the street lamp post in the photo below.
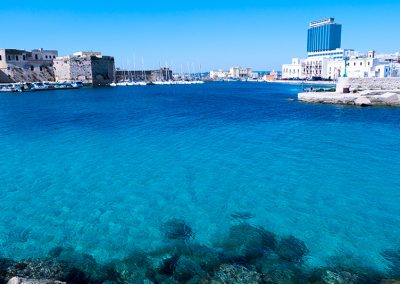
(346, 59)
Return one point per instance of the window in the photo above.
(46, 56)
(36, 57)
(360, 63)
(369, 63)
(41, 69)
(23, 57)
(1, 58)
(32, 68)
(16, 57)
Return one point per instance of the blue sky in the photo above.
(216, 34)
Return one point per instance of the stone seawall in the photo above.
(359, 91)
(360, 84)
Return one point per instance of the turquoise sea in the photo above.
(100, 169)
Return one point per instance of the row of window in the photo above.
(326, 54)
(17, 57)
(291, 71)
(32, 68)
(355, 64)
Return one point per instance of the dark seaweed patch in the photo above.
(245, 243)
(291, 249)
(246, 254)
(393, 259)
(177, 229)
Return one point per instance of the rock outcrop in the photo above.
(18, 280)
(362, 101)
(359, 91)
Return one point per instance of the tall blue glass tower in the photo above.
(324, 35)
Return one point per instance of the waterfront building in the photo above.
(293, 70)
(17, 65)
(219, 74)
(326, 60)
(89, 67)
(324, 35)
(241, 73)
(326, 64)
(271, 76)
(237, 73)
(360, 66)
(391, 57)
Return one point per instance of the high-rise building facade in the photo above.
(324, 35)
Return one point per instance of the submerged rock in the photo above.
(81, 267)
(393, 259)
(18, 280)
(291, 249)
(341, 277)
(390, 281)
(177, 229)
(36, 269)
(186, 269)
(245, 243)
(133, 267)
(207, 258)
(236, 274)
(278, 271)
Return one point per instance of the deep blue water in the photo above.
(99, 169)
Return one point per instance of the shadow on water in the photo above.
(245, 254)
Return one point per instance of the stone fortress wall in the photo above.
(41, 65)
(26, 66)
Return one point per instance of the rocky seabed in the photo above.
(245, 254)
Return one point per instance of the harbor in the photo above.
(39, 86)
(124, 174)
(199, 142)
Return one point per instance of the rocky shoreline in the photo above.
(246, 254)
(363, 98)
(359, 92)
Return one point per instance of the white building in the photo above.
(233, 73)
(293, 70)
(219, 74)
(332, 65)
(240, 72)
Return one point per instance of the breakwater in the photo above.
(359, 91)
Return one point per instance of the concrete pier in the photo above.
(359, 91)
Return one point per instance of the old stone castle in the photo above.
(44, 65)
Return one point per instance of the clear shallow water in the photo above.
(101, 169)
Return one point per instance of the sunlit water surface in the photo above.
(99, 169)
